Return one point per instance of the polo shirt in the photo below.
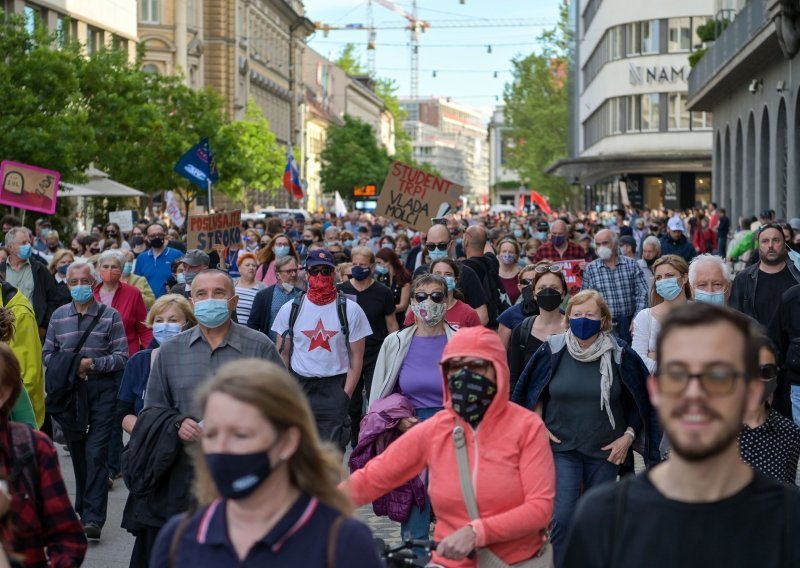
(300, 538)
(157, 269)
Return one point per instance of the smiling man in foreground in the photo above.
(703, 506)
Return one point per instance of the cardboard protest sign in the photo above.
(207, 231)
(29, 187)
(572, 273)
(122, 218)
(413, 197)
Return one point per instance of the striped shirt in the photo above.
(245, 305)
(623, 287)
(106, 345)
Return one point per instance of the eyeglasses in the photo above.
(433, 246)
(526, 281)
(554, 268)
(436, 297)
(768, 372)
(324, 270)
(716, 380)
(475, 365)
(288, 271)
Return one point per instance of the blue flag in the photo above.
(198, 165)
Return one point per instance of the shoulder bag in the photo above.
(487, 558)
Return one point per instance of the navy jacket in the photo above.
(682, 247)
(628, 368)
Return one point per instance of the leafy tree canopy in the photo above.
(352, 158)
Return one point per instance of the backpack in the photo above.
(489, 277)
(341, 311)
(525, 328)
(24, 462)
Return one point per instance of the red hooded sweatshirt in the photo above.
(510, 459)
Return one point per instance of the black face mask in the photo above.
(549, 299)
(237, 475)
(112, 234)
(529, 305)
(471, 394)
(308, 242)
(650, 261)
(157, 243)
(137, 240)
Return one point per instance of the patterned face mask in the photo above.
(471, 394)
(429, 312)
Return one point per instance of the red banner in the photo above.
(539, 200)
(572, 273)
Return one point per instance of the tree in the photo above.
(248, 155)
(536, 111)
(352, 158)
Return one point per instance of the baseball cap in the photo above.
(299, 217)
(543, 226)
(320, 256)
(195, 257)
(675, 224)
(794, 223)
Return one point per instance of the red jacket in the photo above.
(703, 238)
(510, 460)
(129, 303)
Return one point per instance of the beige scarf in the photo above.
(603, 347)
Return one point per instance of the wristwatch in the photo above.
(92, 366)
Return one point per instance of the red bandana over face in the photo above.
(321, 289)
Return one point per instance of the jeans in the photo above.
(722, 245)
(90, 454)
(361, 395)
(418, 524)
(115, 444)
(795, 396)
(573, 472)
(329, 403)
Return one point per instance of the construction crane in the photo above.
(415, 27)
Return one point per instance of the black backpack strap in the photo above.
(89, 329)
(295, 311)
(525, 332)
(23, 460)
(789, 503)
(341, 311)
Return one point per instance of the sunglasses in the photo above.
(476, 366)
(526, 281)
(433, 246)
(554, 268)
(768, 372)
(436, 297)
(716, 380)
(324, 270)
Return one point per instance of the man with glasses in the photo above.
(96, 332)
(156, 263)
(269, 300)
(321, 336)
(620, 281)
(711, 507)
(757, 289)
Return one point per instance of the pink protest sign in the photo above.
(29, 187)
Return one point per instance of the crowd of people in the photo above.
(497, 379)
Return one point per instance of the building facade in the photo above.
(632, 138)
(452, 138)
(504, 184)
(746, 79)
(94, 24)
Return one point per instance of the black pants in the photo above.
(143, 547)
(90, 454)
(361, 394)
(329, 403)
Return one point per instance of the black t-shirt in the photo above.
(769, 289)
(377, 302)
(468, 283)
(745, 530)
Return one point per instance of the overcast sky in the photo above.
(464, 69)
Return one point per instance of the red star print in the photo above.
(320, 337)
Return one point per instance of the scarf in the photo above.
(321, 289)
(602, 348)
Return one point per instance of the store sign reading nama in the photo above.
(657, 74)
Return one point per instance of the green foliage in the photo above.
(352, 158)
(536, 107)
(348, 60)
(248, 155)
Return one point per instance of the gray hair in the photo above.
(11, 235)
(332, 233)
(426, 278)
(708, 258)
(283, 261)
(112, 254)
(78, 264)
(651, 240)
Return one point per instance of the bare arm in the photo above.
(391, 323)
(356, 364)
(129, 422)
(405, 298)
(483, 313)
(284, 346)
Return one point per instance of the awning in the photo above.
(99, 185)
(592, 169)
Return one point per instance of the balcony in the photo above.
(749, 42)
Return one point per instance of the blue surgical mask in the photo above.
(212, 313)
(437, 254)
(25, 252)
(62, 270)
(163, 331)
(181, 278)
(541, 236)
(795, 258)
(381, 269)
(127, 269)
(81, 293)
(451, 283)
(716, 298)
(387, 246)
(668, 288)
(518, 233)
(280, 252)
(584, 328)
(348, 243)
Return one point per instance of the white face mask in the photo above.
(604, 253)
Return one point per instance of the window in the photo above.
(150, 11)
(62, 33)
(680, 34)
(92, 40)
(701, 120)
(633, 37)
(616, 40)
(150, 68)
(191, 14)
(678, 114)
(634, 113)
(617, 115)
(650, 36)
(650, 112)
(32, 19)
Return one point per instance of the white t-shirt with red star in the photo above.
(319, 344)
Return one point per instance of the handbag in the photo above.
(487, 558)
